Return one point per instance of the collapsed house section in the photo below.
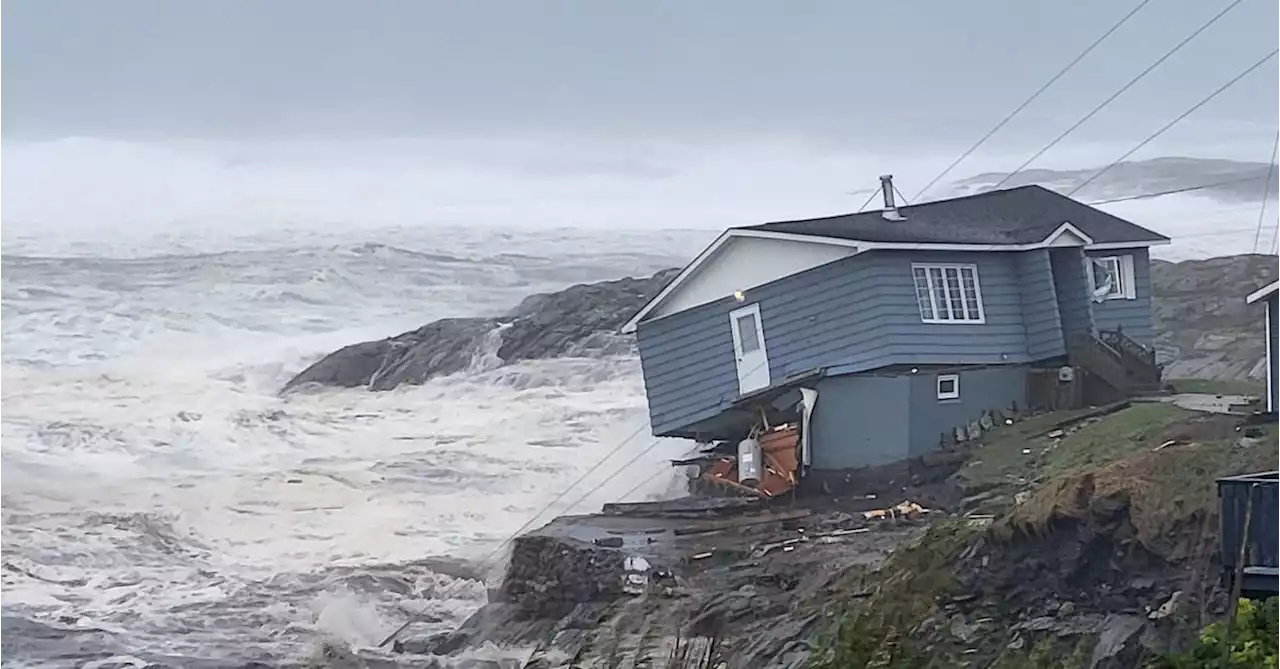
(767, 465)
(771, 450)
(835, 434)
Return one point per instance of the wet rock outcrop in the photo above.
(579, 320)
(1204, 329)
(722, 585)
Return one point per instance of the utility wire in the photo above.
(576, 502)
(1017, 110)
(643, 482)
(1168, 54)
(1266, 191)
(486, 562)
(1175, 121)
(1175, 191)
(1275, 239)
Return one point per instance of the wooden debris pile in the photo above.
(780, 450)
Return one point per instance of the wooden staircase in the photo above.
(1119, 361)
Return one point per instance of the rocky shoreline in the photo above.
(643, 584)
(581, 320)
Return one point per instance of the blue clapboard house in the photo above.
(901, 326)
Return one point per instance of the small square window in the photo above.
(949, 387)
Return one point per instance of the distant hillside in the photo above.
(1204, 328)
(1238, 181)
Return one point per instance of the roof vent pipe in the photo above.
(890, 212)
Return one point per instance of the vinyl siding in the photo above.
(1071, 283)
(983, 389)
(1039, 305)
(857, 314)
(1132, 316)
(688, 364)
(860, 421)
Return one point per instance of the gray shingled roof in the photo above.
(1022, 215)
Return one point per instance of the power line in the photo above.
(1216, 233)
(1266, 190)
(643, 482)
(1275, 239)
(485, 562)
(1100, 107)
(1175, 121)
(1017, 110)
(1175, 191)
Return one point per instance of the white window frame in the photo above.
(931, 289)
(954, 393)
(1125, 285)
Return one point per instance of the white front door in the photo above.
(748, 346)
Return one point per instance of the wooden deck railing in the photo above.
(1091, 353)
(1139, 361)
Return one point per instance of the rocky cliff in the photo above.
(1204, 329)
(579, 320)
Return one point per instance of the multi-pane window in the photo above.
(948, 293)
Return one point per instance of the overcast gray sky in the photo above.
(874, 74)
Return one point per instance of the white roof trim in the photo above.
(1262, 292)
(1067, 229)
(859, 247)
(1109, 246)
(680, 278)
(768, 234)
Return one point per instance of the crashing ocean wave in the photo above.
(163, 505)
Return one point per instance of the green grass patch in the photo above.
(1018, 455)
(1163, 489)
(1136, 429)
(1211, 387)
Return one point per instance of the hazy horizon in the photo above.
(145, 115)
